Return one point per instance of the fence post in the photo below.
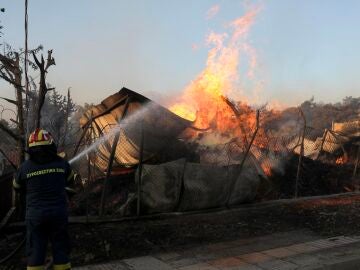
(138, 208)
(322, 143)
(87, 185)
(88, 124)
(232, 185)
(301, 154)
(89, 170)
(356, 161)
(111, 159)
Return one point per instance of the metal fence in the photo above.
(185, 175)
(139, 170)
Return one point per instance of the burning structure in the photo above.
(213, 134)
(177, 173)
(175, 164)
(334, 143)
(122, 119)
(205, 150)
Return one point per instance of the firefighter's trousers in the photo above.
(40, 231)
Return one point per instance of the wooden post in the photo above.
(356, 161)
(20, 114)
(301, 155)
(138, 208)
(27, 102)
(88, 124)
(111, 159)
(89, 169)
(101, 133)
(322, 143)
(232, 184)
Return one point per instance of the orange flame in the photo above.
(203, 99)
(341, 160)
(266, 169)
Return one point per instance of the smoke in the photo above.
(212, 12)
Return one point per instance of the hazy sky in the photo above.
(304, 48)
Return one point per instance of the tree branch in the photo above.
(50, 60)
(6, 78)
(11, 76)
(231, 105)
(7, 62)
(10, 100)
(36, 60)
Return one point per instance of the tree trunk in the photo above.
(20, 113)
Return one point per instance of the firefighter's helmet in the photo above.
(40, 137)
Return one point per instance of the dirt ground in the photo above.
(101, 242)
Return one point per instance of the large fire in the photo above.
(203, 100)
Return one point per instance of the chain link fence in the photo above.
(182, 174)
(152, 171)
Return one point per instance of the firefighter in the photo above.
(45, 178)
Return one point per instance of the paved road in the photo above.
(290, 250)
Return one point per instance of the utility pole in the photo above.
(26, 72)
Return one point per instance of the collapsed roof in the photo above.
(129, 114)
(332, 140)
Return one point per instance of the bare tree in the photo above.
(10, 71)
(43, 89)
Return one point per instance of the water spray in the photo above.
(126, 123)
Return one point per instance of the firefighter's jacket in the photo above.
(45, 186)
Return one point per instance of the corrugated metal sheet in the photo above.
(347, 128)
(158, 124)
(331, 141)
